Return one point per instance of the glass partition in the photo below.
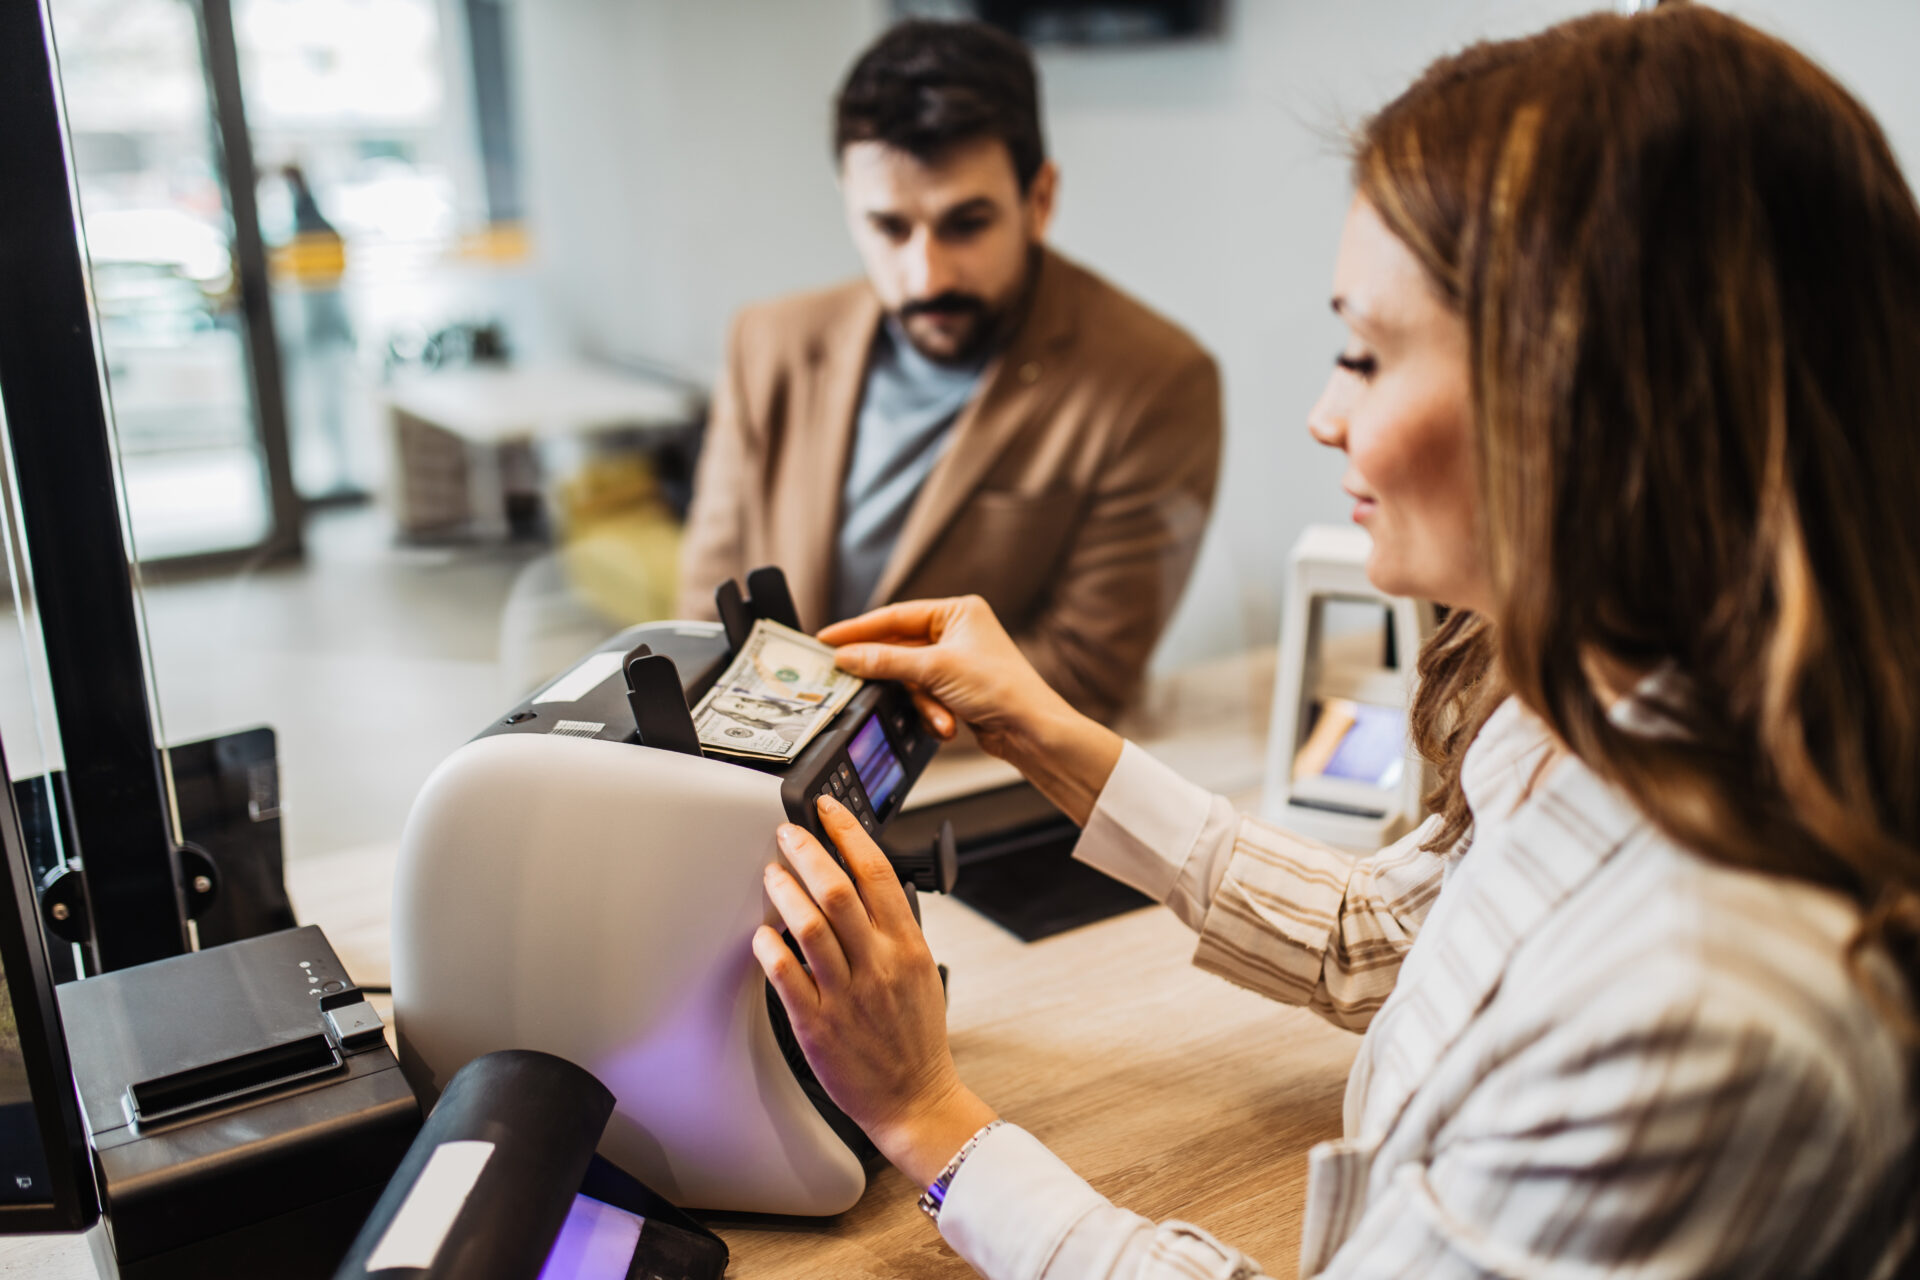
(160, 242)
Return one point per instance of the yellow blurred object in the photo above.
(619, 543)
(312, 260)
(496, 242)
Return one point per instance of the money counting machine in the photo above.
(582, 880)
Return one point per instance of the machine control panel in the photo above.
(867, 759)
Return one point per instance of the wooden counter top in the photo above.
(1173, 1092)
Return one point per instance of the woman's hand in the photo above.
(958, 661)
(963, 668)
(868, 1009)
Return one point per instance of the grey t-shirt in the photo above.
(907, 410)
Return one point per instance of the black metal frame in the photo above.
(56, 415)
(235, 155)
(75, 1200)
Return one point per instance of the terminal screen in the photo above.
(873, 759)
(23, 1156)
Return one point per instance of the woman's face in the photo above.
(1398, 406)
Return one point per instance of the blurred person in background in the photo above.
(320, 346)
(979, 414)
(1631, 383)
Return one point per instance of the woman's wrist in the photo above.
(1068, 756)
(921, 1146)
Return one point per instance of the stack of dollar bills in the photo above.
(778, 692)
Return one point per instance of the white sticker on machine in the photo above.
(583, 679)
(426, 1216)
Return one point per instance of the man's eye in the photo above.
(1363, 367)
(966, 229)
(891, 228)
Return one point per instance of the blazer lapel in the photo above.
(1519, 869)
(1015, 391)
(819, 439)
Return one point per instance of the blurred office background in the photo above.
(500, 242)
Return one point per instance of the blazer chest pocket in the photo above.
(1006, 546)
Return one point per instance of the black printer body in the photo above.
(243, 1106)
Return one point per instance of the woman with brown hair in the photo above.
(1634, 387)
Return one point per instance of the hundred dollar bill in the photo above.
(778, 692)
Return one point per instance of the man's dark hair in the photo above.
(924, 86)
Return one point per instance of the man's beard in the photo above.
(952, 305)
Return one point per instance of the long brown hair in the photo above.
(1690, 271)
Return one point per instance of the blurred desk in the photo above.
(1206, 721)
(464, 439)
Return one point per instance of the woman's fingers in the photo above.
(909, 664)
(935, 714)
(909, 622)
(827, 883)
(879, 885)
(809, 927)
(797, 991)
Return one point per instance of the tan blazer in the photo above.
(1072, 493)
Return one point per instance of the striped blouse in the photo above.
(1587, 1052)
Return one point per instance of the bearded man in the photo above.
(977, 415)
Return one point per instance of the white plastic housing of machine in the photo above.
(1328, 567)
(596, 900)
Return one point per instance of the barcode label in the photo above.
(578, 728)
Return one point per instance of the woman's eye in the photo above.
(1359, 366)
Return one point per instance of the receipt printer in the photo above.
(580, 879)
(243, 1108)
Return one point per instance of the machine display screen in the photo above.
(23, 1147)
(597, 1242)
(874, 761)
(602, 1242)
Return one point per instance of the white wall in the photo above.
(677, 161)
(678, 166)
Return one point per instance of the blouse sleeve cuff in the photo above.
(1012, 1204)
(1145, 824)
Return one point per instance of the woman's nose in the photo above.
(1327, 420)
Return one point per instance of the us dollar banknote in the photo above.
(779, 691)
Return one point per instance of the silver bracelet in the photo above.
(936, 1193)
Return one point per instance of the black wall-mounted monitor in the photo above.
(46, 1178)
(1081, 22)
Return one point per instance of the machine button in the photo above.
(356, 1026)
(866, 820)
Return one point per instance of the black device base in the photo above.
(1017, 851)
